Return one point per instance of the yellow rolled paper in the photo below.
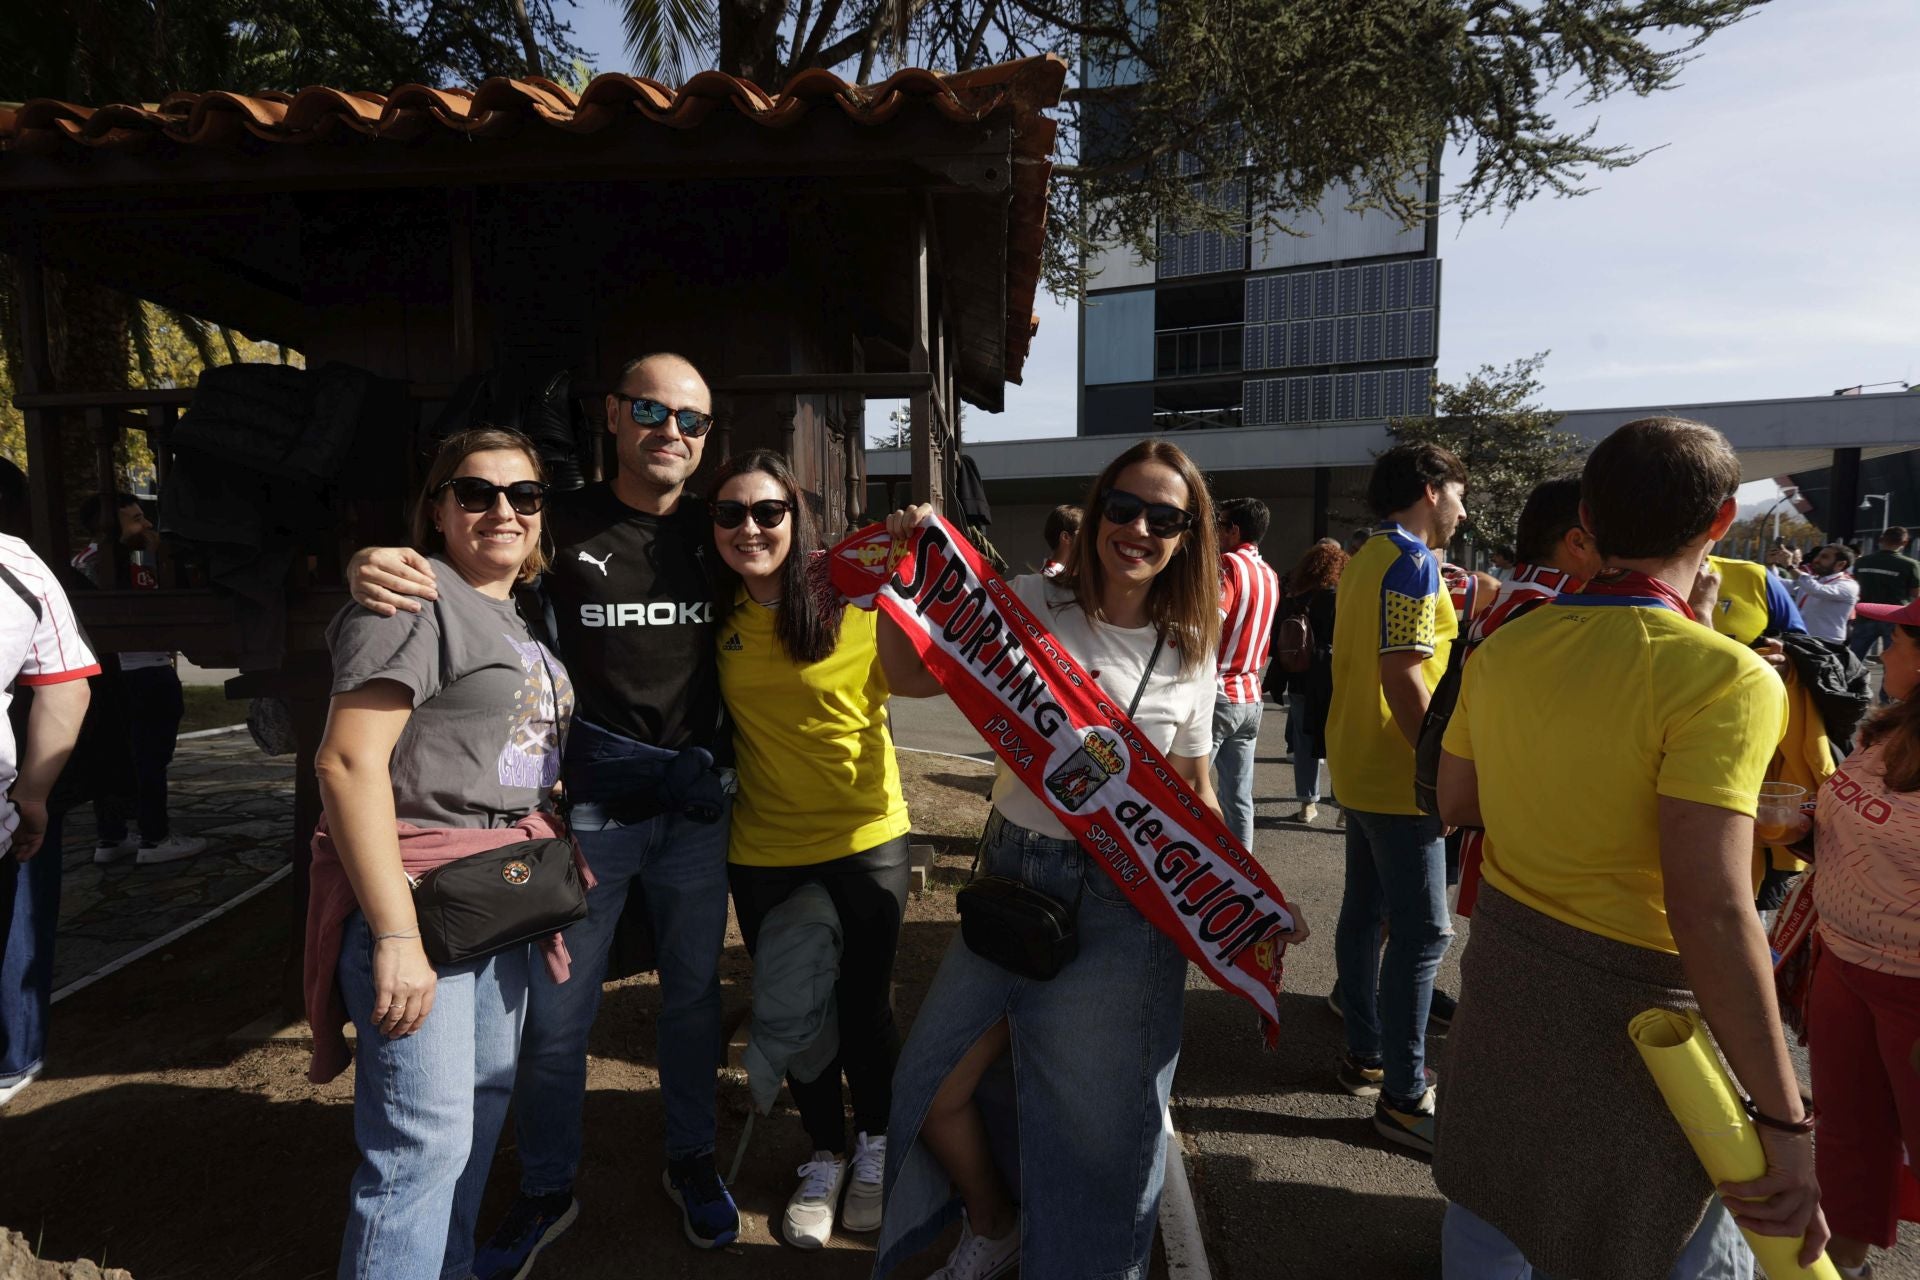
(1696, 1088)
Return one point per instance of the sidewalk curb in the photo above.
(1180, 1236)
(211, 733)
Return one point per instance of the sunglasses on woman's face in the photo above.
(768, 513)
(474, 495)
(1164, 520)
(651, 413)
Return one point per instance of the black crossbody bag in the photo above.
(474, 906)
(1028, 933)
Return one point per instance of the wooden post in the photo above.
(45, 488)
(460, 244)
(106, 483)
(921, 426)
(160, 420)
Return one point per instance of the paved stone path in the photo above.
(224, 790)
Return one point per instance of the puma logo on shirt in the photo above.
(600, 564)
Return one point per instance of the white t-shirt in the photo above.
(1176, 711)
(49, 649)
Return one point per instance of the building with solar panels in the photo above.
(1251, 329)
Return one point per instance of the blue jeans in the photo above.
(1092, 1059)
(680, 867)
(1471, 1248)
(1866, 633)
(1236, 735)
(26, 953)
(427, 1112)
(1396, 871)
(1307, 764)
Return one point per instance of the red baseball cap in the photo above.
(1907, 615)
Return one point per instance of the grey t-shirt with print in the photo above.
(482, 747)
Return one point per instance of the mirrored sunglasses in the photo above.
(651, 413)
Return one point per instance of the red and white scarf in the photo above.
(1075, 748)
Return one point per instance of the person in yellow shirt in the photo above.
(1393, 629)
(1613, 748)
(819, 802)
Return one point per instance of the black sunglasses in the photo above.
(1163, 519)
(768, 513)
(651, 413)
(475, 495)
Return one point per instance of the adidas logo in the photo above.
(733, 643)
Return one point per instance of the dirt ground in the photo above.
(159, 1143)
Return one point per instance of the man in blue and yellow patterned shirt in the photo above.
(1393, 631)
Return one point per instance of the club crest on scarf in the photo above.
(1075, 748)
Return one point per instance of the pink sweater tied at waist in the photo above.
(331, 902)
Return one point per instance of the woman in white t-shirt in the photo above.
(1093, 1050)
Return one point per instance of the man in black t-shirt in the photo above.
(631, 591)
(1887, 576)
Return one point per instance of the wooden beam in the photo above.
(922, 428)
(875, 384)
(45, 490)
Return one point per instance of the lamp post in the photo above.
(1886, 508)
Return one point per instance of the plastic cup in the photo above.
(1778, 819)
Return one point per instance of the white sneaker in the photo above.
(861, 1213)
(978, 1258)
(174, 848)
(8, 1091)
(809, 1220)
(1308, 813)
(105, 854)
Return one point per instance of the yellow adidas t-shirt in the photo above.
(1391, 600)
(1578, 717)
(818, 778)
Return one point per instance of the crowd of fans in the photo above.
(643, 704)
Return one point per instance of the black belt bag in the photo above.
(505, 897)
(1026, 932)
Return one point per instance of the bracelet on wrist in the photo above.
(404, 933)
(1759, 1117)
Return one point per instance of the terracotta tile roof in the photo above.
(224, 120)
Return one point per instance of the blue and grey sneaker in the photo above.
(533, 1223)
(707, 1212)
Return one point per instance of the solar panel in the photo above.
(1419, 391)
(1396, 286)
(1253, 403)
(1276, 299)
(1372, 281)
(1346, 339)
(1300, 351)
(1300, 301)
(1420, 333)
(1395, 346)
(1370, 337)
(1254, 303)
(1422, 287)
(1367, 394)
(1349, 290)
(1233, 252)
(1323, 398)
(1299, 408)
(1276, 346)
(1323, 342)
(1254, 347)
(1393, 393)
(1323, 293)
(1343, 390)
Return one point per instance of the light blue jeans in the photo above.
(1236, 737)
(427, 1111)
(1079, 1124)
(1307, 764)
(680, 867)
(1397, 872)
(1471, 1248)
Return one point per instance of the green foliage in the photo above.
(1298, 97)
(1508, 443)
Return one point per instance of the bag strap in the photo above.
(1159, 642)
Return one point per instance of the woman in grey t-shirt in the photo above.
(448, 718)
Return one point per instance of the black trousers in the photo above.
(869, 891)
(155, 706)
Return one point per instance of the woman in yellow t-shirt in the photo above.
(820, 803)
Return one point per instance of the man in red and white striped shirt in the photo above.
(1249, 594)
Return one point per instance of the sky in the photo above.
(1770, 248)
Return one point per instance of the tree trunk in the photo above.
(750, 41)
(523, 24)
